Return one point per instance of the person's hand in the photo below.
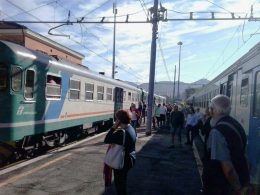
(116, 124)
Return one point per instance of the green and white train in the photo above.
(45, 100)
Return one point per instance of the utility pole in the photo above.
(173, 95)
(114, 41)
(154, 18)
(178, 92)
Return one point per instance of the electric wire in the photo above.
(40, 6)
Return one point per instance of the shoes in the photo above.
(171, 146)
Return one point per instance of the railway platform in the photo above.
(163, 170)
(78, 169)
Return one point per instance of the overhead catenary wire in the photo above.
(238, 48)
(124, 67)
(40, 6)
(75, 41)
(221, 55)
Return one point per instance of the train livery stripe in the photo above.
(27, 123)
(85, 114)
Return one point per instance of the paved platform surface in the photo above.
(163, 170)
(159, 170)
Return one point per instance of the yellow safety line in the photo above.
(15, 178)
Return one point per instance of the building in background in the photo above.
(20, 34)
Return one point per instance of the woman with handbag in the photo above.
(123, 134)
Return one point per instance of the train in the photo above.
(45, 100)
(240, 82)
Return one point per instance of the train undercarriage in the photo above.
(35, 145)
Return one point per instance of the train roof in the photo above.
(255, 50)
(239, 64)
(29, 56)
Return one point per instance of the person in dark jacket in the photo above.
(225, 168)
(176, 122)
(115, 136)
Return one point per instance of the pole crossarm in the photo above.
(212, 18)
(77, 22)
(162, 16)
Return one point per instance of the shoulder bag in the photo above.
(115, 155)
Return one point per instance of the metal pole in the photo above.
(174, 84)
(178, 93)
(154, 14)
(114, 41)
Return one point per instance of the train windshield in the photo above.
(3, 78)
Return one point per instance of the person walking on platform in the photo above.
(157, 114)
(115, 136)
(176, 124)
(206, 127)
(144, 112)
(135, 115)
(225, 168)
(191, 125)
(163, 111)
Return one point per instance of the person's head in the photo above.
(220, 105)
(159, 105)
(133, 106)
(175, 107)
(191, 111)
(123, 117)
(198, 110)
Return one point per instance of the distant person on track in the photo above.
(225, 167)
(115, 136)
(176, 124)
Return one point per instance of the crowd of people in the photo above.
(225, 169)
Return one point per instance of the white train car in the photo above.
(241, 82)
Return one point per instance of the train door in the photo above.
(118, 99)
(243, 99)
(254, 130)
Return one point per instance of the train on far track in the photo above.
(240, 82)
(45, 100)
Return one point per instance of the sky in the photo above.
(209, 47)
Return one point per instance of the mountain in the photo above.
(165, 88)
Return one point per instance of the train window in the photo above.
(244, 92)
(124, 96)
(16, 76)
(109, 93)
(223, 88)
(29, 84)
(53, 87)
(100, 93)
(256, 106)
(74, 89)
(129, 96)
(3, 78)
(133, 97)
(89, 91)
